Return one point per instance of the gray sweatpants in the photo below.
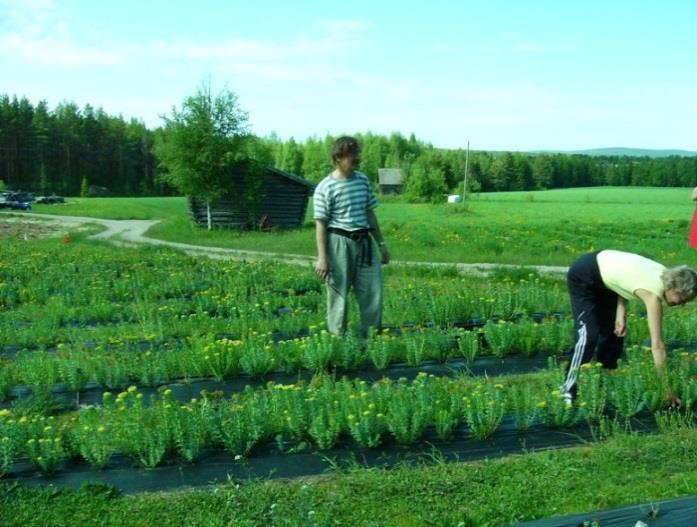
(347, 270)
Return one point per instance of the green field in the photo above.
(544, 227)
(77, 312)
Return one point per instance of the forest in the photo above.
(65, 149)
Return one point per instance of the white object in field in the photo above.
(454, 198)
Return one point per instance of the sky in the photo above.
(503, 75)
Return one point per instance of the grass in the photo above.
(550, 227)
(527, 228)
(621, 471)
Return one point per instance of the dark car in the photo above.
(16, 201)
(50, 200)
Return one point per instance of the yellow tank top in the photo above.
(624, 273)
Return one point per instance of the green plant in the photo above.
(94, 438)
(448, 407)
(8, 441)
(47, 451)
(365, 410)
(627, 392)
(138, 431)
(672, 420)
(256, 356)
(241, 423)
(74, 369)
(522, 404)
(219, 359)
(592, 392)
(7, 454)
(148, 368)
(499, 337)
(320, 350)
(7, 379)
(484, 409)
(367, 427)
(555, 411)
(288, 403)
(325, 417)
(409, 411)
(468, 344)
(191, 428)
(381, 350)
(438, 344)
(414, 344)
(38, 370)
(111, 372)
(526, 337)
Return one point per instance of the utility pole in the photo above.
(464, 184)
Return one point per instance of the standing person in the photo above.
(692, 237)
(600, 284)
(346, 225)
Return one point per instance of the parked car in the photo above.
(50, 200)
(16, 200)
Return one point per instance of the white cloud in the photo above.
(53, 52)
(527, 47)
(35, 32)
(347, 26)
(247, 50)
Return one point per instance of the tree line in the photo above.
(59, 150)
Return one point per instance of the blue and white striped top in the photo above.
(344, 203)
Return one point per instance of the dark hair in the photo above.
(345, 146)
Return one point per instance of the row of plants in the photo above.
(83, 294)
(325, 413)
(76, 366)
(256, 355)
(79, 292)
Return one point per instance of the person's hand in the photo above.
(673, 401)
(385, 253)
(322, 269)
(620, 326)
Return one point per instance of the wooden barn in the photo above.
(282, 203)
(391, 180)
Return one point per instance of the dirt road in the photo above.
(134, 232)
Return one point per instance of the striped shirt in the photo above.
(344, 203)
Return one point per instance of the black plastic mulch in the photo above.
(661, 513)
(270, 461)
(184, 391)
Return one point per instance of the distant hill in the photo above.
(622, 151)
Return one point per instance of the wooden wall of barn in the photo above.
(283, 204)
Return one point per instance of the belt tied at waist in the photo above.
(361, 236)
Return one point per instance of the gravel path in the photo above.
(134, 232)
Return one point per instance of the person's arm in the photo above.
(654, 315)
(377, 236)
(322, 265)
(621, 317)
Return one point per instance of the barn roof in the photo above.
(291, 177)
